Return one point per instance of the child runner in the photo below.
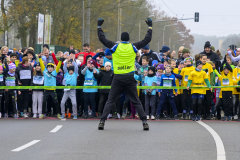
(167, 80)
(197, 79)
(37, 95)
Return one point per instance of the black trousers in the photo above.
(53, 95)
(197, 106)
(219, 107)
(207, 103)
(187, 100)
(10, 98)
(89, 98)
(126, 84)
(102, 101)
(1, 97)
(227, 103)
(236, 104)
(24, 100)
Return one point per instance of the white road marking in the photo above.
(26, 145)
(56, 128)
(221, 155)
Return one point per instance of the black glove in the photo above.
(100, 21)
(39, 56)
(149, 22)
(214, 68)
(62, 59)
(206, 70)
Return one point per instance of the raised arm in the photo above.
(101, 36)
(234, 59)
(59, 64)
(75, 67)
(65, 67)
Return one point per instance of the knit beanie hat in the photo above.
(160, 66)
(165, 49)
(11, 66)
(185, 50)
(108, 64)
(152, 69)
(70, 68)
(125, 36)
(107, 52)
(92, 61)
(1, 68)
(188, 59)
(146, 47)
(207, 45)
(198, 63)
(154, 63)
(88, 57)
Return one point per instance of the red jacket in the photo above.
(85, 56)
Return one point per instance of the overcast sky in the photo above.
(217, 17)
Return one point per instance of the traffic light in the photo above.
(196, 16)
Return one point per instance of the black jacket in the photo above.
(39, 73)
(24, 75)
(138, 45)
(214, 58)
(105, 78)
(152, 55)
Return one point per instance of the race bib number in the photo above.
(10, 81)
(66, 89)
(1, 78)
(38, 79)
(186, 78)
(238, 75)
(225, 81)
(167, 83)
(88, 82)
(25, 74)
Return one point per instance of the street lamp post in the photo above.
(164, 30)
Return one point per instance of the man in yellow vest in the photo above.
(123, 56)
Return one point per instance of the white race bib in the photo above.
(167, 83)
(238, 75)
(38, 79)
(225, 81)
(186, 78)
(1, 78)
(10, 81)
(88, 82)
(25, 74)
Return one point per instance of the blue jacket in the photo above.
(167, 81)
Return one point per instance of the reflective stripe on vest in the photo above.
(124, 59)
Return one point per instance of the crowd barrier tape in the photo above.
(106, 87)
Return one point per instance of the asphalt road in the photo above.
(121, 139)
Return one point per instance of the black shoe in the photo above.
(92, 116)
(176, 117)
(101, 125)
(145, 127)
(85, 116)
(184, 116)
(158, 117)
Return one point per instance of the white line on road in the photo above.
(56, 128)
(221, 155)
(26, 145)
